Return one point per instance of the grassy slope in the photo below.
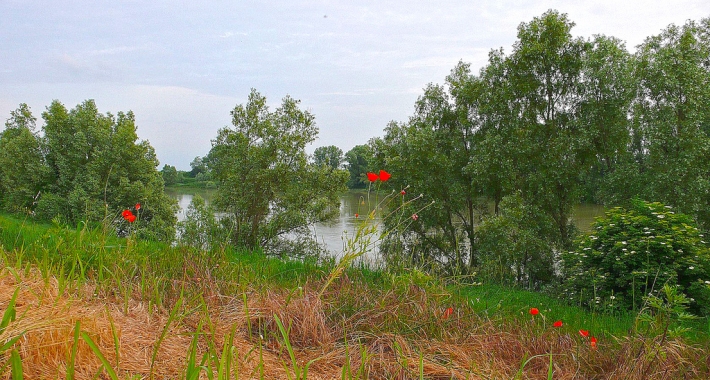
(158, 299)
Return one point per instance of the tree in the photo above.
(330, 156)
(23, 171)
(514, 245)
(98, 168)
(427, 155)
(358, 161)
(198, 166)
(672, 118)
(170, 175)
(266, 184)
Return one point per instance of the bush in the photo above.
(633, 253)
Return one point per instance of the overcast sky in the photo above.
(182, 66)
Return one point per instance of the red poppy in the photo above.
(584, 333)
(415, 216)
(131, 218)
(384, 176)
(138, 206)
(372, 176)
(356, 215)
(534, 311)
(557, 324)
(403, 192)
(593, 342)
(126, 213)
(447, 313)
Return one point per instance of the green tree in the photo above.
(672, 117)
(199, 166)
(330, 156)
(514, 245)
(358, 161)
(427, 155)
(98, 168)
(266, 185)
(23, 171)
(170, 175)
(545, 74)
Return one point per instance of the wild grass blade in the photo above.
(16, 365)
(102, 358)
(74, 349)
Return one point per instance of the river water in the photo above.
(332, 234)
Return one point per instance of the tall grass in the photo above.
(234, 314)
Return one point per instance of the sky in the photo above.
(182, 66)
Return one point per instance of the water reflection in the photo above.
(332, 234)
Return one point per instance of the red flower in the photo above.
(593, 342)
(138, 206)
(131, 218)
(403, 192)
(447, 313)
(384, 176)
(557, 324)
(356, 215)
(584, 333)
(534, 311)
(126, 213)
(372, 176)
(415, 216)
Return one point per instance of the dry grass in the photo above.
(391, 334)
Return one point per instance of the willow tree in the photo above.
(672, 117)
(266, 184)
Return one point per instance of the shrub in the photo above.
(633, 253)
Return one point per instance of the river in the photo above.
(331, 234)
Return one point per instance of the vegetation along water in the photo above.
(470, 205)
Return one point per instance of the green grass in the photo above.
(366, 303)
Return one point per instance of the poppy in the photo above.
(372, 176)
(126, 213)
(557, 324)
(415, 216)
(593, 342)
(403, 192)
(534, 311)
(384, 176)
(584, 333)
(138, 206)
(131, 218)
(447, 313)
(356, 215)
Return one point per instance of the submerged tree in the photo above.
(266, 184)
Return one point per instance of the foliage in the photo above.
(330, 156)
(632, 253)
(267, 188)
(170, 175)
(514, 246)
(98, 168)
(86, 167)
(672, 118)
(23, 171)
(200, 229)
(358, 162)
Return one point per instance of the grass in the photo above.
(89, 305)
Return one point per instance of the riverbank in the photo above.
(153, 310)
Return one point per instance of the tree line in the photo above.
(508, 151)
(504, 153)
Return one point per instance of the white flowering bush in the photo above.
(631, 254)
